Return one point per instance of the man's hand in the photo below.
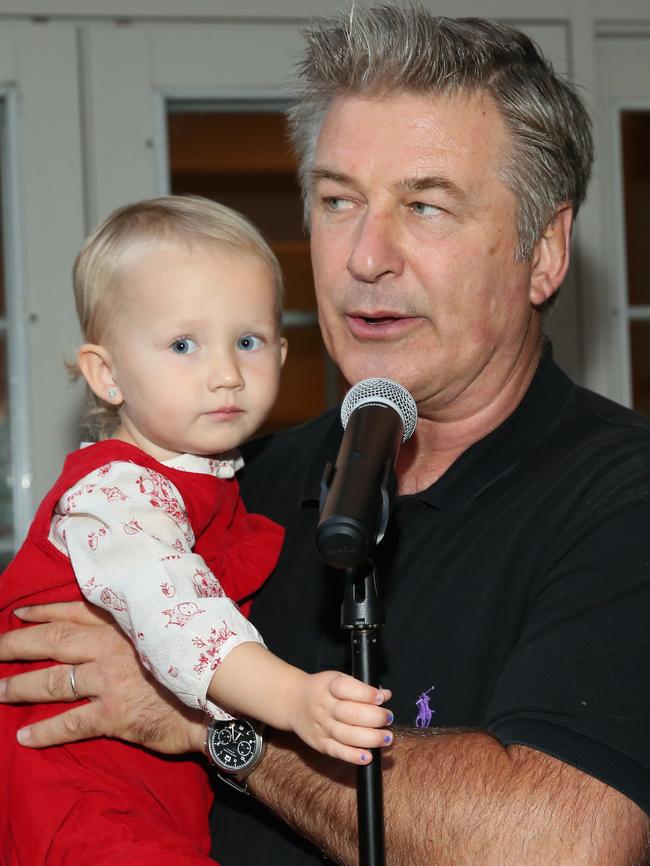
(125, 702)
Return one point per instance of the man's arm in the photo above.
(459, 799)
(450, 798)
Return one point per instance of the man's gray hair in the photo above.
(385, 50)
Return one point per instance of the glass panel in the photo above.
(6, 473)
(6, 503)
(640, 350)
(242, 159)
(3, 306)
(303, 391)
(635, 131)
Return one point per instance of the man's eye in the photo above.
(249, 342)
(335, 203)
(424, 209)
(184, 346)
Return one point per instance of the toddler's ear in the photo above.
(95, 364)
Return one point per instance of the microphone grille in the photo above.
(384, 392)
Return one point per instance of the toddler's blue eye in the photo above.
(249, 342)
(184, 346)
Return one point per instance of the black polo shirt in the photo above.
(517, 592)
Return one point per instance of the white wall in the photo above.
(89, 76)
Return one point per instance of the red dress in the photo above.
(103, 801)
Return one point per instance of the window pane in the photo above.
(3, 306)
(635, 129)
(6, 483)
(7, 479)
(640, 347)
(240, 159)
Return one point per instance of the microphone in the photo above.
(378, 415)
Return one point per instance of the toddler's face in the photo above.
(196, 350)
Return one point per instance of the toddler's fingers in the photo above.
(349, 754)
(362, 715)
(362, 738)
(347, 688)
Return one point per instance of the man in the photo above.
(443, 163)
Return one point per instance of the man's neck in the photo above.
(439, 441)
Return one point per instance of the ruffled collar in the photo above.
(220, 465)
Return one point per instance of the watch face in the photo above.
(234, 745)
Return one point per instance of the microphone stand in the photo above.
(362, 614)
(342, 546)
(355, 505)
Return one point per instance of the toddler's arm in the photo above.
(330, 711)
(136, 561)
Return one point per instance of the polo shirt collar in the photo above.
(488, 459)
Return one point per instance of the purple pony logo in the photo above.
(425, 713)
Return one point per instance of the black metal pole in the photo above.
(362, 613)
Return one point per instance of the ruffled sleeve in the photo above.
(129, 539)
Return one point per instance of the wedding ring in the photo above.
(73, 683)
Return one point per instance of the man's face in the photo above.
(413, 248)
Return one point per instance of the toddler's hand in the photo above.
(342, 717)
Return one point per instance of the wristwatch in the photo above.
(235, 747)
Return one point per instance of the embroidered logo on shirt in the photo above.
(425, 712)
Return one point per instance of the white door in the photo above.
(624, 97)
(42, 227)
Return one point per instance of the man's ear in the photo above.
(95, 363)
(284, 345)
(551, 256)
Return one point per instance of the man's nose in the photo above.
(376, 248)
(225, 372)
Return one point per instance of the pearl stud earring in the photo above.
(112, 393)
